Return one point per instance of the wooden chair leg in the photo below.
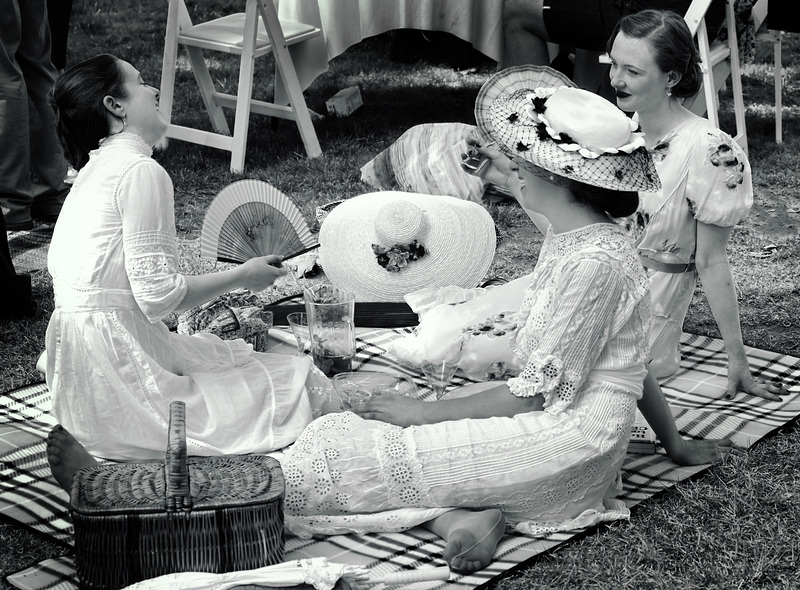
(207, 90)
(736, 80)
(166, 95)
(244, 91)
(288, 75)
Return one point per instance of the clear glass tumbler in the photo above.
(331, 314)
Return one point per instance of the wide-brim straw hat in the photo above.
(539, 117)
(458, 238)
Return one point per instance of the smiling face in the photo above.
(139, 107)
(640, 85)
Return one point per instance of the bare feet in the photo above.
(471, 537)
(66, 456)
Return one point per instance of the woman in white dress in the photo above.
(112, 365)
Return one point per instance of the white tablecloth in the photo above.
(347, 22)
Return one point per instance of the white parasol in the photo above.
(317, 571)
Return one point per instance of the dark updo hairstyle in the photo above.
(615, 202)
(672, 43)
(605, 200)
(77, 101)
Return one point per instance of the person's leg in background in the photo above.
(524, 33)
(32, 164)
(16, 300)
(58, 15)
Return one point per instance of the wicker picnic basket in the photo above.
(135, 521)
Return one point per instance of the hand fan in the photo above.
(250, 218)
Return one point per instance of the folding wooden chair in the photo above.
(250, 34)
(720, 60)
(764, 33)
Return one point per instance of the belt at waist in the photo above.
(68, 299)
(669, 267)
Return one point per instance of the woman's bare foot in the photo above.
(471, 537)
(66, 456)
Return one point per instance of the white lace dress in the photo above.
(112, 366)
(584, 323)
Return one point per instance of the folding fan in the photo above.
(250, 218)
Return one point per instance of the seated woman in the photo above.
(542, 451)
(112, 366)
(682, 230)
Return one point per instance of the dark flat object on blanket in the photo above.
(368, 314)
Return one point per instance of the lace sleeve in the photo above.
(569, 329)
(145, 201)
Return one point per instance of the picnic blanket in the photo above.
(30, 496)
(29, 247)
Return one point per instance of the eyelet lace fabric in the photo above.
(345, 474)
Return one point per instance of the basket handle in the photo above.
(178, 496)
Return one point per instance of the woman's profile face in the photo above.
(639, 83)
(141, 106)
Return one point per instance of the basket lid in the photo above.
(214, 482)
(180, 483)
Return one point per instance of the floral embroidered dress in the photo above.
(112, 366)
(705, 177)
(583, 335)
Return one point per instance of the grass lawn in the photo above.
(737, 526)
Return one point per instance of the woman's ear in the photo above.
(673, 78)
(113, 106)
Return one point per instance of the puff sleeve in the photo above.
(144, 199)
(719, 190)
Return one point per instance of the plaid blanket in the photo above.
(30, 496)
(29, 247)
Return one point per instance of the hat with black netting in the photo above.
(539, 118)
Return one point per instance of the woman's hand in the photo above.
(394, 409)
(700, 452)
(260, 273)
(740, 379)
(492, 166)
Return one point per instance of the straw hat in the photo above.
(382, 246)
(537, 116)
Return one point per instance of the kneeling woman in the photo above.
(112, 365)
(543, 450)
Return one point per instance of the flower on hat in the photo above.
(399, 255)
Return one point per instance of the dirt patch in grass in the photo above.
(775, 215)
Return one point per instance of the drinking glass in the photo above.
(356, 387)
(439, 375)
(298, 322)
(331, 312)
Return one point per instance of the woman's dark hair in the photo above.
(672, 43)
(605, 200)
(77, 101)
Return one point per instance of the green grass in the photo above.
(736, 526)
